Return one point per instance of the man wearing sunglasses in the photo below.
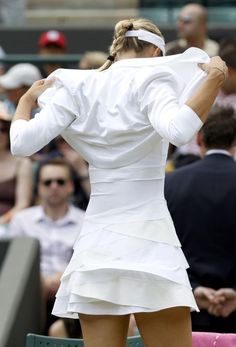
(192, 31)
(54, 222)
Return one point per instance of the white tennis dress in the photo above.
(127, 257)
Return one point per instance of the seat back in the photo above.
(34, 340)
(204, 339)
(134, 341)
(200, 339)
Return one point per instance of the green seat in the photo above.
(135, 341)
(34, 340)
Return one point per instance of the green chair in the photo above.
(34, 340)
(134, 341)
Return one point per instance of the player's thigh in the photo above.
(104, 330)
(166, 328)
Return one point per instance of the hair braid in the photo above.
(121, 43)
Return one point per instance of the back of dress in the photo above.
(127, 257)
(125, 111)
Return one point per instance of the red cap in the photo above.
(53, 37)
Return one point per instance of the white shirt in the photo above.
(226, 100)
(56, 237)
(114, 117)
(218, 151)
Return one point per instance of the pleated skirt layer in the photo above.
(115, 273)
(127, 258)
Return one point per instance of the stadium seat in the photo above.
(34, 340)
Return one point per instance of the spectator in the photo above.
(66, 327)
(227, 94)
(201, 199)
(15, 82)
(55, 222)
(92, 60)
(192, 30)
(15, 179)
(59, 148)
(52, 42)
(2, 66)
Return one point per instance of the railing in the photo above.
(217, 16)
(40, 59)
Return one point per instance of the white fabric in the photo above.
(147, 36)
(56, 237)
(226, 100)
(127, 257)
(141, 82)
(218, 151)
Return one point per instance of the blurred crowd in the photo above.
(45, 195)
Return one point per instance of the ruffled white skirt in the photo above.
(127, 257)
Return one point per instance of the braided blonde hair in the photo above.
(122, 44)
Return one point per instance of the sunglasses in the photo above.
(185, 19)
(59, 181)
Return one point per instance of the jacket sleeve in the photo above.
(174, 122)
(27, 137)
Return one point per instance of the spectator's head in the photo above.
(54, 183)
(2, 66)
(92, 60)
(192, 23)
(219, 131)
(17, 80)
(52, 42)
(176, 49)
(227, 52)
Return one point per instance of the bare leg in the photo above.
(57, 329)
(166, 328)
(104, 330)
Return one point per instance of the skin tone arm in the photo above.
(203, 99)
(29, 100)
(23, 192)
(24, 185)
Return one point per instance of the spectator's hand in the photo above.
(229, 304)
(205, 297)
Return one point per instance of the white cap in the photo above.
(19, 75)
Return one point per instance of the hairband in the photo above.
(111, 58)
(147, 36)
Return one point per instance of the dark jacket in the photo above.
(202, 201)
